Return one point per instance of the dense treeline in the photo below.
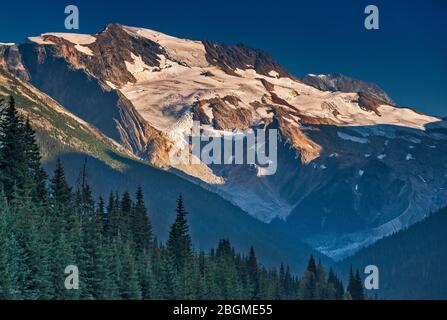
(413, 260)
(46, 226)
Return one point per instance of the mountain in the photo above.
(411, 262)
(339, 82)
(351, 166)
(113, 168)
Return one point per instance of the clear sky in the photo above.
(407, 56)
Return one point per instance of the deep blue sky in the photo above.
(407, 56)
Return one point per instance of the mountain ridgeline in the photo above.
(341, 138)
(352, 166)
(60, 134)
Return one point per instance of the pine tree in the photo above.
(126, 216)
(101, 283)
(141, 226)
(321, 282)
(38, 260)
(355, 286)
(62, 255)
(11, 256)
(335, 288)
(179, 243)
(308, 284)
(147, 278)
(60, 190)
(289, 287)
(100, 218)
(37, 174)
(112, 224)
(227, 277)
(253, 273)
(13, 157)
(130, 288)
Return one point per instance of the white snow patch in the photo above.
(40, 40)
(348, 137)
(75, 38)
(192, 53)
(409, 157)
(81, 39)
(83, 49)
(412, 139)
(265, 112)
(381, 156)
(273, 74)
(111, 85)
(361, 173)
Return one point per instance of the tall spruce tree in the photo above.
(59, 189)
(179, 244)
(355, 286)
(308, 284)
(13, 156)
(141, 225)
(37, 174)
(253, 274)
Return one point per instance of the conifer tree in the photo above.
(37, 174)
(355, 286)
(147, 278)
(126, 216)
(60, 190)
(13, 157)
(113, 218)
(130, 288)
(12, 273)
(253, 273)
(321, 282)
(308, 284)
(179, 244)
(141, 226)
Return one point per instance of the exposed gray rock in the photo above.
(339, 82)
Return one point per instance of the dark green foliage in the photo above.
(355, 286)
(20, 170)
(179, 243)
(412, 262)
(59, 188)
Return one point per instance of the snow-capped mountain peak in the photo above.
(136, 85)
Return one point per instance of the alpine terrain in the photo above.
(352, 166)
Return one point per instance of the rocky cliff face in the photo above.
(11, 61)
(339, 82)
(67, 72)
(351, 168)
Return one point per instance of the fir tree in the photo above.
(308, 284)
(37, 174)
(60, 190)
(179, 244)
(355, 286)
(253, 273)
(13, 156)
(141, 226)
